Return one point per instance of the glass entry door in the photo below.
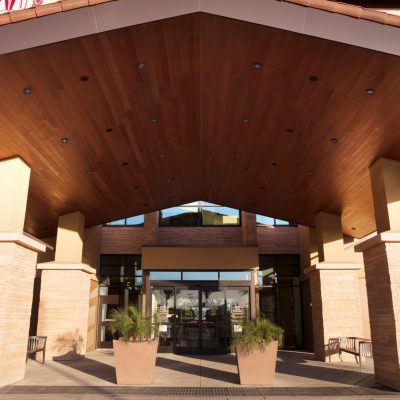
(199, 320)
(187, 321)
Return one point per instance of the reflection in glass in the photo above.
(200, 275)
(165, 275)
(235, 275)
(199, 213)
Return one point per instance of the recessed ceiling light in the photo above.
(168, 180)
(245, 120)
(109, 130)
(27, 91)
(370, 92)
(274, 164)
(257, 66)
(313, 78)
(125, 164)
(90, 172)
(334, 140)
(64, 140)
(162, 155)
(237, 155)
(141, 66)
(84, 78)
(154, 120)
(310, 172)
(290, 130)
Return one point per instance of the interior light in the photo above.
(28, 91)
(64, 140)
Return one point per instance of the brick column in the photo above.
(150, 234)
(382, 271)
(336, 303)
(18, 255)
(64, 307)
(335, 287)
(249, 228)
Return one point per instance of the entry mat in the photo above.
(185, 392)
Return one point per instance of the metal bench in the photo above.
(359, 347)
(35, 345)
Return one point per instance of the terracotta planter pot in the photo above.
(258, 367)
(135, 362)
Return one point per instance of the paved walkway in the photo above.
(195, 377)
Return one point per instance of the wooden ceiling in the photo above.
(226, 132)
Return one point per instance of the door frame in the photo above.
(200, 287)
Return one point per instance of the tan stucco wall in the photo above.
(199, 258)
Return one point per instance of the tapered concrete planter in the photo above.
(135, 362)
(257, 367)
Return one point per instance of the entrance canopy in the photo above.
(144, 117)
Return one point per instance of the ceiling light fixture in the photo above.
(245, 120)
(257, 66)
(237, 156)
(274, 164)
(125, 164)
(27, 91)
(64, 140)
(108, 130)
(290, 130)
(370, 92)
(162, 155)
(313, 78)
(154, 120)
(334, 140)
(168, 180)
(89, 172)
(84, 78)
(141, 66)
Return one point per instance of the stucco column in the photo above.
(382, 270)
(64, 307)
(18, 254)
(335, 289)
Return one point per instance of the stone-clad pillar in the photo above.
(18, 255)
(382, 270)
(335, 289)
(65, 293)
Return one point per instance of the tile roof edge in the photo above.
(359, 12)
(331, 6)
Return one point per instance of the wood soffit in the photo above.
(199, 122)
(332, 6)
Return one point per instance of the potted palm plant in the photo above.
(135, 350)
(256, 351)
